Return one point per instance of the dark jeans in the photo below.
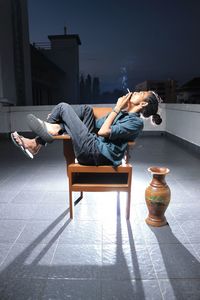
(79, 123)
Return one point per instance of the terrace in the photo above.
(100, 255)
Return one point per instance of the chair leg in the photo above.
(71, 205)
(128, 205)
(81, 195)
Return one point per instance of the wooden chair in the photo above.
(106, 178)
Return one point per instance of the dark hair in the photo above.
(152, 108)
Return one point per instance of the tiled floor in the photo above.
(98, 255)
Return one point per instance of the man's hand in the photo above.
(122, 102)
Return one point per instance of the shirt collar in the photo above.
(137, 114)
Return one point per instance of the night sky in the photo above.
(138, 39)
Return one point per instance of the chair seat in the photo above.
(99, 179)
(100, 169)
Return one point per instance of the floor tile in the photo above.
(4, 249)
(175, 261)
(186, 211)
(168, 234)
(122, 231)
(82, 232)
(7, 196)
(57, 197)
(191, 229)
(122, 262)
(72, 289)
(28, 197)
(49, 211)
(180, 289)
(42, 231)
(21, 288)
(196, 248)
(12, 211)
(76, 261)
(130, 290)
(28, 260)
(10, 230)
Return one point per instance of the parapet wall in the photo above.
(181, 120)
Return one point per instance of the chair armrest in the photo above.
(62, 137)
(131, 144)
(67, 137)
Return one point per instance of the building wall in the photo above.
(26, 52)
(65, 54)
(7, 72)
(190, 96)
(15, 76)
(46, 77)
(189, 92)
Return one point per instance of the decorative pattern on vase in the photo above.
(157, 197)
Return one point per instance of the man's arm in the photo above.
(106, 127)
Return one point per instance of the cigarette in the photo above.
(128, 90)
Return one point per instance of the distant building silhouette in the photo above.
(165, 88)
(15, 73)
(89, 89)
(40, 74)
(82, 89)
(46, 77)
(95, 89)
(189, 92)
(63, 51)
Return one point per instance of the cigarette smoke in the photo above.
(124, 78)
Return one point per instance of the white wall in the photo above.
(149, 126)
(14, 118)
(181, 120)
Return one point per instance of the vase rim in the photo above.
(159, 170)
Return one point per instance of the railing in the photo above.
(42, 45)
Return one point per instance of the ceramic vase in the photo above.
(157, 197)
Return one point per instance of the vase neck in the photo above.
(158, 180)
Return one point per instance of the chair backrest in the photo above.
(101, 111)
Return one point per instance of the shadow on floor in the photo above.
(177, 263)
(20, 280)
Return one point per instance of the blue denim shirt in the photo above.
(126, 127)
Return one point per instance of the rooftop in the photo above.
(98, 255)
(65, 37)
